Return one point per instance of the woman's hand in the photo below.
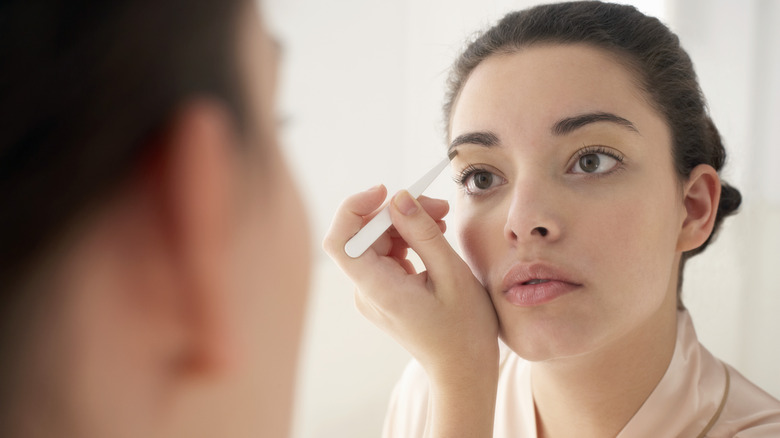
(442, 316)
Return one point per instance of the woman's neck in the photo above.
(595, 395)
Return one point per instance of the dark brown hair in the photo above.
(84, 85)
(646, 46)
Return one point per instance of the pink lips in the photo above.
(529, 285)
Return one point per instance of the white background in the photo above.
(362, 89)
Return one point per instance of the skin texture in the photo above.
(613, 241)
(177, 309)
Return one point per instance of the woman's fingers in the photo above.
(358, 209)
(391, 243)
(399, 249)
(422, 233)
(350, 217)
(436, 208)
(420, 310)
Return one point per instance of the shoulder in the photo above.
(749, 412)
(700, 394)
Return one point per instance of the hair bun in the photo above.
(730, 200)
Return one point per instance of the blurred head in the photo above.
(154, 255)
(588, 166)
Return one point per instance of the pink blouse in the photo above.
(699, 396)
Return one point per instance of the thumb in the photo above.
(421, 233)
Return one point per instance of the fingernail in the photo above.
(405, 203)
(375, 188)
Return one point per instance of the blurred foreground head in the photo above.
(153, 254)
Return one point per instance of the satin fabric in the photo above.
(699, 396)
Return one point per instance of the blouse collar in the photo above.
(689, 397)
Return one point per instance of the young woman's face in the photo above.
(569, 210)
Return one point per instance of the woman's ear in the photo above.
(701, 195)
(197, 174)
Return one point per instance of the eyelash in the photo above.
(587, 150)
(462, 178)
(464, 174)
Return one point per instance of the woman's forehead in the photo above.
(541, 84)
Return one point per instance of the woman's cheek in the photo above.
(631, 246)
(479, 237)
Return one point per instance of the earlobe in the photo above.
(701, 195)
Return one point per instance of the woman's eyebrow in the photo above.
(570, 124)
(482, 138)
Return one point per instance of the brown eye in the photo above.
(483, 180)
(590, 163)
(596, 162)
(478, 181)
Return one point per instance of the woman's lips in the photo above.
(529, 295)
(529, 285)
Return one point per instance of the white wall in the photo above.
(363, 83)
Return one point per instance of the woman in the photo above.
(153, 264)
(588, 173)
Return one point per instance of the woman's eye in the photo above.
(479, 181)
(595, 162)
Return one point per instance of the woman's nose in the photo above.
(532, 215)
